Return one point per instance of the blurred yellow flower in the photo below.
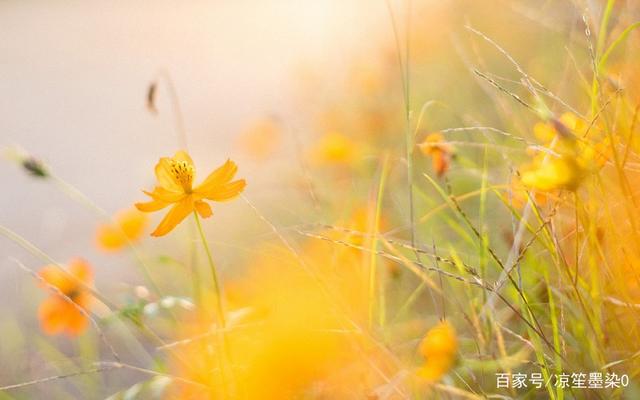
(127, 226)
(175, 186)
(434, 146)
(439, 348)
(556, 173)
(519, 197)
(336, 148)
(286, 337)
(56, 313)
(577, 155)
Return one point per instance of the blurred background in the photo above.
(73, 87)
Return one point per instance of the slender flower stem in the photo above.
(226, 358)
(193, 266)
(212, 265)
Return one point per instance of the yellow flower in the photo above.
(518, 194)
(336, 148)
(434, 146)
(556, 173)
(175, 186)
(127, 225)
(439, 348)
(576, 155)
(56, 313)
(567, 123)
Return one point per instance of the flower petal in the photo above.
(177, 213)
(52, 314)
(182, 155)
(168, 196)
(77, 322)
(204, 209)
(217, 178)
(56, 277)
(153, 205)
(227, 191)
(81, 270)
(110, 238)
(132, 223)
(165, 177)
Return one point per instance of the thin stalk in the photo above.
(175, 104)
(226, 358)
(214, 274)
(374, 245)
(195, 273)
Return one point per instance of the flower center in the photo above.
(73, 294)
(183, 173)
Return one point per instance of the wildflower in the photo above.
(576, 156)
(127, 226)
(439, 348)
(557, 173)
(61, 314)
(519, 196)
(175, 186)
(440, 152)
(336, 148)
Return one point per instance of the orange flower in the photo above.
(440, 152)
(127, 226)
(439, 348)
(60, 314)
(175, 186)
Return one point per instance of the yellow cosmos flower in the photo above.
(519, 197)
(58, 314)
(127, 226)
(547, 131)
(557, 173)
(576, 157)
(336, 148)
(434, 146)
(439, 348)
(175, 187)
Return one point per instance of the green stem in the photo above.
(193, 261)
(214, 273)
(226, 355)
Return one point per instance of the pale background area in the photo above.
(73, 80)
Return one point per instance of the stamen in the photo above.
(183, 173)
